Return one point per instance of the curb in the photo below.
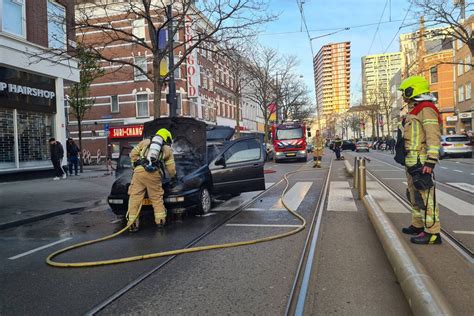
(423, 295)
(33, 219)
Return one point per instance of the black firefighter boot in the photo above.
(427, 239)
(412, 230)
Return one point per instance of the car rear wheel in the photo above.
(205, 201)
(468, 155)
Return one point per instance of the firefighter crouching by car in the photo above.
(422, 143)
(318, 149)
(148, 158)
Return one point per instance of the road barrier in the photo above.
(423, 295)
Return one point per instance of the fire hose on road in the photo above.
(50, 259)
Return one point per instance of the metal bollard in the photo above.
(362, 179)
(356, 172)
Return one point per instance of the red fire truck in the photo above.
(289, 141)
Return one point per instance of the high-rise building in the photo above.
(377, 71)
(332, 78)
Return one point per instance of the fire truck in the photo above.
(289, 141)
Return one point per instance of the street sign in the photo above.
(106, 127)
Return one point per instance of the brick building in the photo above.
(124, 97)
(32, 86)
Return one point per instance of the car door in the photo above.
(238, 168)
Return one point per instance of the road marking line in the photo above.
(294, 196)
(269, 184)
(260, 225)
(457, 170)
(340, 197)
(465, 232)
(208, 214)
(454, 204)
(256, 209)
(463, 186)
(39, 248)
(443, 167)
(115, 221)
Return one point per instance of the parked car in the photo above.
(455, 145)
(348, 145)
(208, 164)
(362, 146)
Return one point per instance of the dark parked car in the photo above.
(346, 145)
(207, 162)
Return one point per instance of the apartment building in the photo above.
(124, 96)
(331, 67)
(32, 85)
(464, 80)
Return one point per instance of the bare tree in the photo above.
(295, 100)
(145, 25)
(447, 13)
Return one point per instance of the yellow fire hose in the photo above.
(51, 262)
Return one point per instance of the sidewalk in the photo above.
(27, 201)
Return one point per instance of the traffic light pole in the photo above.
(171, 97)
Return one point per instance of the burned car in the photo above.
(208, 164)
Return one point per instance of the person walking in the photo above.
(392, 143)
(421, 134)
(149, 159)
(318, 149)
(57, 153)
(337, 147)
(72, 155)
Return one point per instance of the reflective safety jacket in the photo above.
(422, 134)
(318, 143)
(140, 152)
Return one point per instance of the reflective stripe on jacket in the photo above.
(318, 143)
(422, 136)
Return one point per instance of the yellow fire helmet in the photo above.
(414, 86)
(165, 134)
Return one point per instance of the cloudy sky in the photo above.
(324, 17)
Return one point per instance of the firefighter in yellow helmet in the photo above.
(421, 134)
(318, 149)
(147, 158)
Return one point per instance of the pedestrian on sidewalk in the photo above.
(337, 147)
(422, 143)
(318, 149)
(72, 155)
(391, 145)
(57, 153)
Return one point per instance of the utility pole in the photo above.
(171, 97)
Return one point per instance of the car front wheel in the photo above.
(205, 201)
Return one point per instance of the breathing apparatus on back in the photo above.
(154, 154)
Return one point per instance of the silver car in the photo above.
(455, 145)
(362, 146)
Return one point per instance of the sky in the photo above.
(326, 16)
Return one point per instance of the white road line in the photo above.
(294, 196)
(269, 184)
(443, 167)
(463, 186)
(456, 205)
(256, 209)
(340, 197)
(115, 221)
(385, 199)
(456, 170)
(39, 248)
(464, 232)
(260, 225)
(208, 214)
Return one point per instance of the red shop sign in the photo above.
(126, 131)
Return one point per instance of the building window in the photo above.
(179, 104)
(138, 29)
(434, 74)
(460, 68)
(114, 105)
(56, 25)
(13, 17)
(468, 66)
(177, 71)
(142, 105)
(461, 94)
(140, 62)
(468, 90)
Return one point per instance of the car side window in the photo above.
(243, 151)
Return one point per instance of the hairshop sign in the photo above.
(26, 91)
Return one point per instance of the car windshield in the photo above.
(362, 143)
(294, 133)
(457, 139)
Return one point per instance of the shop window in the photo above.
(140, 62)
(7, 139)
(34, 131)
(114, 105)
(13, 17)
(56, 25)
(142, 105)
(468, 91)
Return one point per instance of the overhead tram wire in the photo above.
(399, 29)
(378, 27)
(303, 19)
